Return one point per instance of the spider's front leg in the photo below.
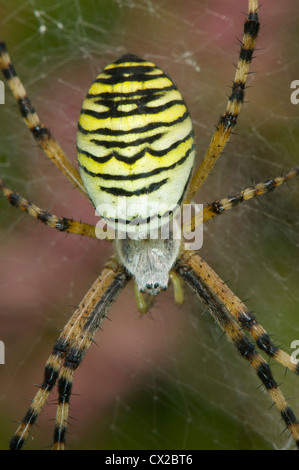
(41, 134)
(71, 346)
(228, 120)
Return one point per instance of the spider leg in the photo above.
(40, 133)
(239, 311)
(72, 344)
(60, 223)
(192, 275)
(228, 120)
(77, 338)
(219, 207)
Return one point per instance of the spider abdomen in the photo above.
(135, 143)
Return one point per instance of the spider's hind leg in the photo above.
(223, 313)
(72, 345)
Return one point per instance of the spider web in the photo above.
(168, 380)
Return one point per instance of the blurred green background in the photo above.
(168, 380)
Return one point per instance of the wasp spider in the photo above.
(135, 143)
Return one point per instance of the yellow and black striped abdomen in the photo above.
(135, 141)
